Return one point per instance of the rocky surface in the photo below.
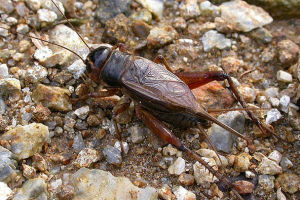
(43, 89)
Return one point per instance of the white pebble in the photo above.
(183, 194)
(177, 167)
(43, 54)
(125, 146)
(275, 156)
(82, 112)
(284, 103)
(5, 191)
(274, 101)
(46, 15)
(284, 76)
(272, 116)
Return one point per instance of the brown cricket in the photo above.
(159, 94)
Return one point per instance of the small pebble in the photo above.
(284, 103)
(125, 146)
(266, 182)
(5, 191)
(273, 115)
(249, 174)
(183, 194)
(46, 15)
(243, 187)
(242, 162)
(186, 179)
(166, 193)
(177, 167)
(82, 112)
(280, 195)
(86, 157)
(112, 155)
(42, 54)
(289, 182)
(285, 163)
(4, 71)
(267, 166)
(284, 76)
(275, 156)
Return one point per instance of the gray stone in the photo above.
(25, 141)
(262, 34)
(109, 9)
(271, 92)
(2, 106)
(275, 156)
(112, 155)
(222, 139)
(266, 182)
(286, 163)
(7, 165)
(213, 39)
(243, 16)
(98, 184)
(78, 143)
(32, 189)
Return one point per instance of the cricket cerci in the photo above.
(160, 95)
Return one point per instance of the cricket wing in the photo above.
(152, 83)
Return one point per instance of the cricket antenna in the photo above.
(49, 43)
(72, 26)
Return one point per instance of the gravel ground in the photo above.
(54, 147)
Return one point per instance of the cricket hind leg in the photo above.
(158, 128)
(196, 79)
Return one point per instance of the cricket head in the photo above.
(95, 62)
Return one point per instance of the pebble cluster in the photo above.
(55, 147)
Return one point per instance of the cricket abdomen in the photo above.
(180, 120)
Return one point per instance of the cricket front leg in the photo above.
(158, 128)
